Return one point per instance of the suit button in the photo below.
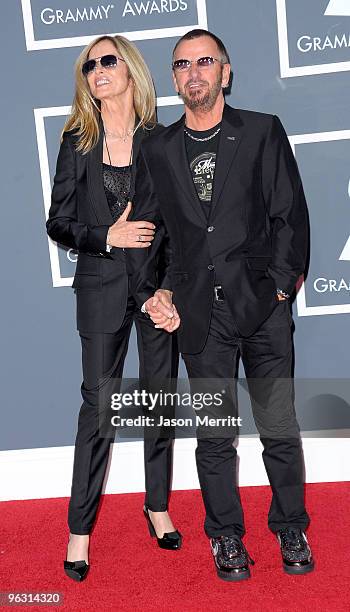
(211, 228)
(211, 267)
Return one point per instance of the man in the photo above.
(225, 184)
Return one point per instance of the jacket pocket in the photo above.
(258, 263)
(178, 277)
(87, 282)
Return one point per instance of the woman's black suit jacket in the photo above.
(79, 218)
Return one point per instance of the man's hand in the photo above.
(162, 311)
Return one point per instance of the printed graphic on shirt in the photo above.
(203, 169)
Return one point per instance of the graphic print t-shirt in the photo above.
(202, 161)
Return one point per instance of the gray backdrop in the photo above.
(289, 57)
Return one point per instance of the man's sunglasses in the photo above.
(106, 61)
(182, 65)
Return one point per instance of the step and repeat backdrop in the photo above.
(290, 58)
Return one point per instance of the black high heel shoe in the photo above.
(77, 570)
(169, 541)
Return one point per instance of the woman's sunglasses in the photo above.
(106, 61)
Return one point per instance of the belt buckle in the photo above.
(218, 288)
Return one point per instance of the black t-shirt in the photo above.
(202, 159)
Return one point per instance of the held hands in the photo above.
(162, 311)
(130, 234)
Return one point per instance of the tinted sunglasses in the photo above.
(106, 61)
(181, 65)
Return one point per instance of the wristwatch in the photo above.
(283, 294)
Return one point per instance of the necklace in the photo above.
(122, 196)
(202, 139)
(109, 157)
(124, 138)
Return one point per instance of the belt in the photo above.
(219, 293)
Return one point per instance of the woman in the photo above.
(113, 110)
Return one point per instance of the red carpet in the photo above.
(129, 572)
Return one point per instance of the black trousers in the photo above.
(267, 360)
(103, 356)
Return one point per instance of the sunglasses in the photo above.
(182, 65)
(106, 61)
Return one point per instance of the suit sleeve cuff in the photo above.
(97, 238)
(165, 283)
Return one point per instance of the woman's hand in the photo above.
(130, 234)
(162, 311)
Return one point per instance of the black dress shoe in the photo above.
(77, 570)
(295, 550)
(169, 541)
(231, 558)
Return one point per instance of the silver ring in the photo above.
(140, 238)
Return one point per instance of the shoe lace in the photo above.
(292, 538)
(233, 546)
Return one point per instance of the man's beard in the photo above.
(202, 101)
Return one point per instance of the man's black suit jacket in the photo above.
(79, 218)
(255, 240)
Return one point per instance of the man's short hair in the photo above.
(197, 33)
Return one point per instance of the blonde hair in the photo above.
(86, 111)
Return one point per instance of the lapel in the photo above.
(230, 139)
(139, 135)
(95, 182)
(176, 152)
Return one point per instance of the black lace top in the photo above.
(117, 182)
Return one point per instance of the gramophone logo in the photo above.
(338, 8)
(313, 36)
(323, 159)
(345, 254)
(52, 24)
